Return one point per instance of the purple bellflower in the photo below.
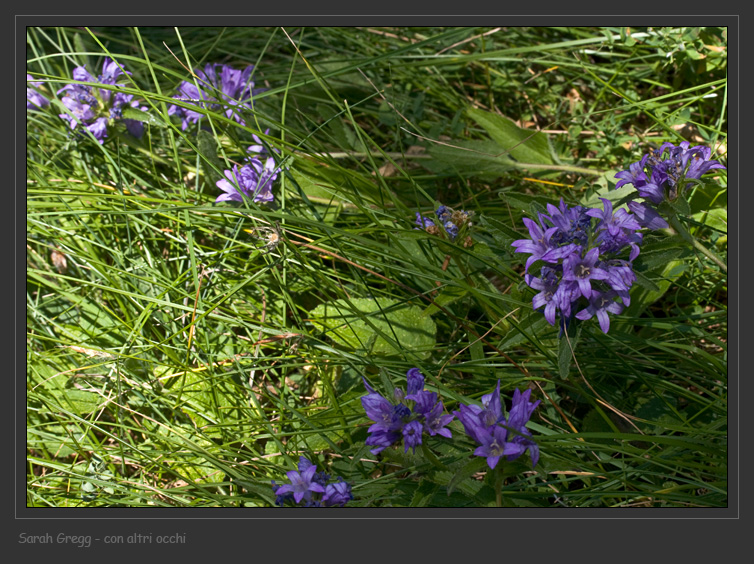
(253, 180)
(34, 100)
(416, 412)
(312, 488)
(217, 88)
(658, 177)
(581, 253)
(96, 109)
(496, 436)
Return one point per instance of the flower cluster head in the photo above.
(451, 221)
(659, 178)
(217, 87)
(34, 100)
(97, 108)
(312, 488)
(253, 180)
(496, 435)
(407, 418)
(583, 262)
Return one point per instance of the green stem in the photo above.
(499, 485)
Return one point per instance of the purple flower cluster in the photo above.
(97, 108)
(312, 487)
(451, 221)
(658, 178)
(583, 261)
(497, 436)
(253, 180)
(414, 413)
(34, 100)
(219, 87)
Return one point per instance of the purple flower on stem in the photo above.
(581, 254)
(337, 494)
(493, 445)
(549, 296)
(96, 109)
(496, 436)
(470, 418)
(476, 420)
(34, 100)
(667, 176)
(430, 412)
(253, 180)
(414, 381)
(451, 229)
(388, 419)
(301, 484)
(519, 415)
(697, 160)
(217, 87)
(443, 213)
(572, 224)
(307, 483)
(424, 222)
(416, 412)
(614, 223)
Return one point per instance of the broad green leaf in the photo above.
(522, 144)
(716, 218)
(319, 193)
(80, 402)
(615, 196)
(646, 283)
(380, 326)
(469, 158)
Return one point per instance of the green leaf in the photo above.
(645, 282)
(423, 494)
(567, 348)
(380, 326)
(500, 231)
(138, 115)
(471, 158)
(474, 465)
(447, 296)
(522, 144)
(211, 402)
(80, 402)
(645, 297)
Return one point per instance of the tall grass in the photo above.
(178, 354)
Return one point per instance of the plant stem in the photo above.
(499, 485)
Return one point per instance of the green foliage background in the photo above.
(177, 358)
